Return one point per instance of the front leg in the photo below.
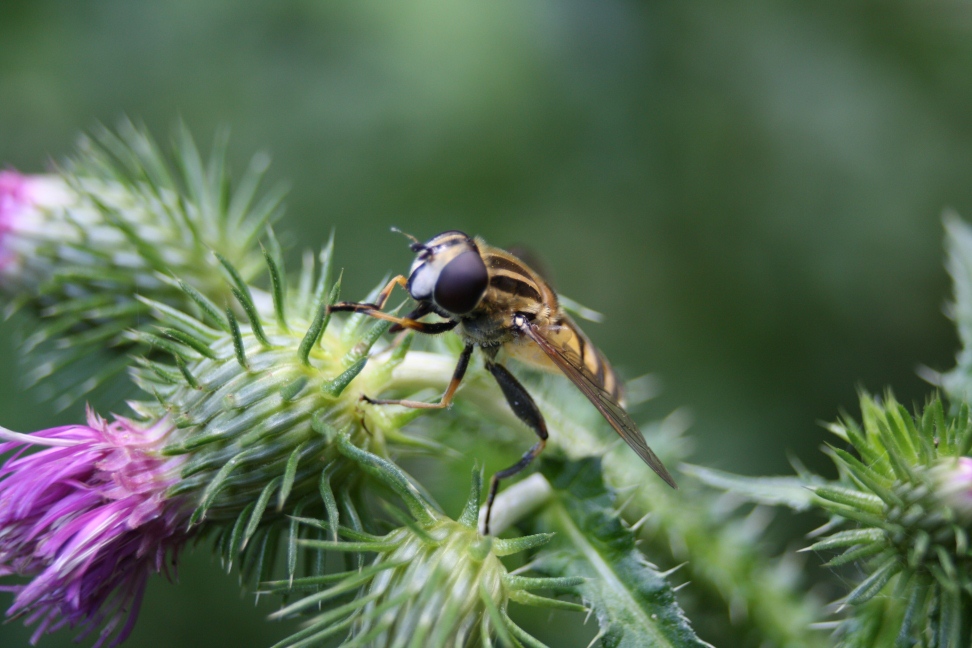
(527, 411)
(450, 391)
(400, 280)
(417, 313)
(407, 322)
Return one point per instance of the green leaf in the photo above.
(860, 553)
(791, 492)
(205, 305)
(526, 598)
(855, 499)
(634, 604)
(879, 484)
(198, 345)
(330, 503)
(336, 386)
(950, 624)
(849, 539)
(238, 347)
(958, 242)
(470, 512)
(318, 323)
(278, 288)
(391, 476)
(261, 506)
(290, 473)
(360, 350)
(521, 635)
(871, 585)
(510, 546)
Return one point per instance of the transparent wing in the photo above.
(580, 310)
(573, 368)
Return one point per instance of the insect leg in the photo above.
(527, 411)
(400, 280)
(374, 310)
(449, 392)
(417, 313)
(429, 328)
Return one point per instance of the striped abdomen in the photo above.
(565, 333)
(567, 337)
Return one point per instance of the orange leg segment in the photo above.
(450, 391)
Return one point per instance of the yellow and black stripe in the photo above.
(592, 361)
(515, 287)
(513, 284)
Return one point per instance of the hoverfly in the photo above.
(494, 301)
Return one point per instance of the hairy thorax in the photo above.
(492, 328)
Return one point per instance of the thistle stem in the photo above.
(516, 502)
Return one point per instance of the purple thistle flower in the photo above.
(954, 485)
(23, 201)
(88, 519)
(12, 203)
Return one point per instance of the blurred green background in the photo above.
(752, 194)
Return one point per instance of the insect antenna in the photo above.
(416, 246)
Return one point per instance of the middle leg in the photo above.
(450, 391)
(527, 411)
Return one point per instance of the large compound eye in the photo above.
(462, 283)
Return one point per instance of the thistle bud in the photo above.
(903, 494)
(434, 581)
(116, 222)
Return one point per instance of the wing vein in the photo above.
(609, 408)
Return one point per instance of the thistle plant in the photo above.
(435, 581)
(250, 433)
(899, 512)
(115, 221)
(904, 528)
(897, 515)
